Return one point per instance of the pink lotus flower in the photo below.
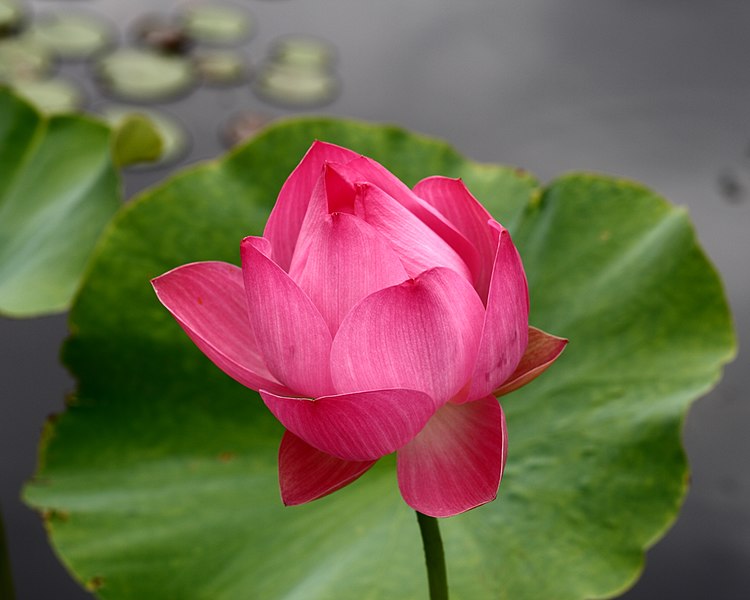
(373, 319)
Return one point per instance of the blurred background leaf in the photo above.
(135, 140)
(58, 189)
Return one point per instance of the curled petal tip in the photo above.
(542, 350)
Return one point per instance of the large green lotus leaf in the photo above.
(58, 189)
(160, 481)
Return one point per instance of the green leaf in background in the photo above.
(135, 140)
(160, 479)
(58, 188)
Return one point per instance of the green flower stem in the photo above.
(6, 583)
(434, 557)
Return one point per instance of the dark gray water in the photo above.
(652, 90)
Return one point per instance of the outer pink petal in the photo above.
(344, 260)
(506, 323)
(359, 426)
(208, 301)
(307, 474)
(284, 223)
(453, 200)
(456, 463)
(371, 172)
(542, 350)
(291, 332)
(422, 334)
(418, 246)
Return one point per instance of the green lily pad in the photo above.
(55, 95)
(295, 86)
(23, 59)
(72, 35)
(159, 481)
(143, 75)
(303, 51)
(12, 15)
(173, 137)
(221, 67)
(216, 23)
(159, 32)
(58, 189)
(136, 140)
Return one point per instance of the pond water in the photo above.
(657, 92)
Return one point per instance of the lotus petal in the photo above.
(359, 426)
(290, 330)
(306, 474)
(456, 462)
(422, 334)
(208, 300)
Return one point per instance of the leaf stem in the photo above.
(6, 583)
(434, 557)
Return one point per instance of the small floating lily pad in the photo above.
(11, 17)
(161, 33)
(23, 59)
(72, 36)
(295, 86)
(303, 51)
(143, 75)
(52, 96)
(243, 126)
(175, 140)
(222, 67)
(217, 23)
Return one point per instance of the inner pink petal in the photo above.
(290, 330)
(422, 334)
(345, 260)
(418, 246)
(453, 200)
(376, 174)
(283, 226)
(456, 462)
